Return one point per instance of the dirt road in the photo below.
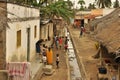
(62, 72)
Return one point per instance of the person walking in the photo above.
(57, 42)
(82, 30)
(66, 43)
(66, 47)
(57, 60)
(66, 40)
(60, 42)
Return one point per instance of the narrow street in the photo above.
(87, 40)
(62, 72)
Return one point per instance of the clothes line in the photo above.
(19, 70)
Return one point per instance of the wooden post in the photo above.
(101, 60)
(118, 71)
(100, 57)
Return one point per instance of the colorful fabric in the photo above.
(50, 57)
(19, 70)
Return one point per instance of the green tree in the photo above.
(81, 2)
(103, 3)
(91, 6)
(50, 8)
(70, 4)
(58, 9)
(116, 4)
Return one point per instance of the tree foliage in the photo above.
(103, 3)
(58, 9)
(81, 2)
(51, 8)
(116, 4)
(91, 6)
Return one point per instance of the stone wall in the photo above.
(4, 75)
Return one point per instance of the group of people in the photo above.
(59, 42)
(45, 53)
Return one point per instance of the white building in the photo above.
(23, 32)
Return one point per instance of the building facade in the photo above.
(22, 32)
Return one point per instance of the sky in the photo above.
(86, 2)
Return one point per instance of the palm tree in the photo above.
(116, 4)
(81, 2)
(58, 9)
(70, 4)
(103, 3)
(91, 6)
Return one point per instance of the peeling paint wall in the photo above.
(14, 53)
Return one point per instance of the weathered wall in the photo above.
(44, 31)
(21, 11)
(3, 22)
(20, 54)
(14, 53)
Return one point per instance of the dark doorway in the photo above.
(28, 44)
(82, 22)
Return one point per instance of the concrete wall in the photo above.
(14, 53)
(21, 11)
(44, 31)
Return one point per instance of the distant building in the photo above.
(83, 17)
(46, 30)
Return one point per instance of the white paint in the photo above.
(21, 11)
(11, 33)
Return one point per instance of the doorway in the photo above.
(82, 22)
(28, 44)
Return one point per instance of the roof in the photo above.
(108, 31)
(89, 14)
(110, 36)
(97, 12)
(104, 19)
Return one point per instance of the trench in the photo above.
(75, 73)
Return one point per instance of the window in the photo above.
(18, 38)
(35, 31)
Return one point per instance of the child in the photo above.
(66, 47)
(44, 59)
(57, 60)
(60, 42)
